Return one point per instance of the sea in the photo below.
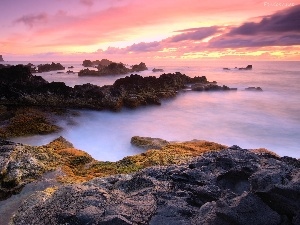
(250, 119)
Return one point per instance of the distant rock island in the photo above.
(157, 70)
(249, 67)
(1, 58)
(107, 67)
(49, 67)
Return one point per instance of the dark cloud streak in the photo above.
(279, 29)
(283, 21)
(31, 20)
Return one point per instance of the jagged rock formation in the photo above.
(1, 58)
(233, 186)
(21, 164)
(19, 87)
(110, 68)
(102, 62)
(49, 67)
(140, 67)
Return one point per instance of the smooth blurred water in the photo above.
(269, 119)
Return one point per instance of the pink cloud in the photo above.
(87, 2)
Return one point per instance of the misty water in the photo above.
(269, 119)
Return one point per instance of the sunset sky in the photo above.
(149, 30)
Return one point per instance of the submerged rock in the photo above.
(157, 70)
(253, 89)
(249, 67)
(233, 186)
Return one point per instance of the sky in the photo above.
(156, 30)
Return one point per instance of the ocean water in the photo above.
(268, 119)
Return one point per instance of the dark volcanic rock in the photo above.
(19, 87)
(102, 62)
(233, 186)
(49, 67)
(106, 67)
(140, 67)
(249, 67)
(157, 70)
(1, 58)
(253, 89)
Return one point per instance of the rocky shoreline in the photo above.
(25, 99)
(19, 87)
(195, 182)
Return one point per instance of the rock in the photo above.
(70, 67)
(226, 68)
(49, 67)
(70, 71)
(1, 58)
(157, 70)
(249, 67)
(210, 87)
(253, 89)
(232, 186)
(148, 142)
(19, 87)
(140, 67)
(106, 67)
(87, 63)
(102, 62)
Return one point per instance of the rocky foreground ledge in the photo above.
(194, 182)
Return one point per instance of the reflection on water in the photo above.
(269, 119)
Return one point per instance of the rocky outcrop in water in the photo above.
(253, 89)
(157, 70)
(19, 87)
(249, 67)
(102, 62)
(139, 67)
(210, 87)
(112, 69)
(233, 186)
(49, 67)
(1, 58)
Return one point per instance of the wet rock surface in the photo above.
(233, 186)
(148, 142)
